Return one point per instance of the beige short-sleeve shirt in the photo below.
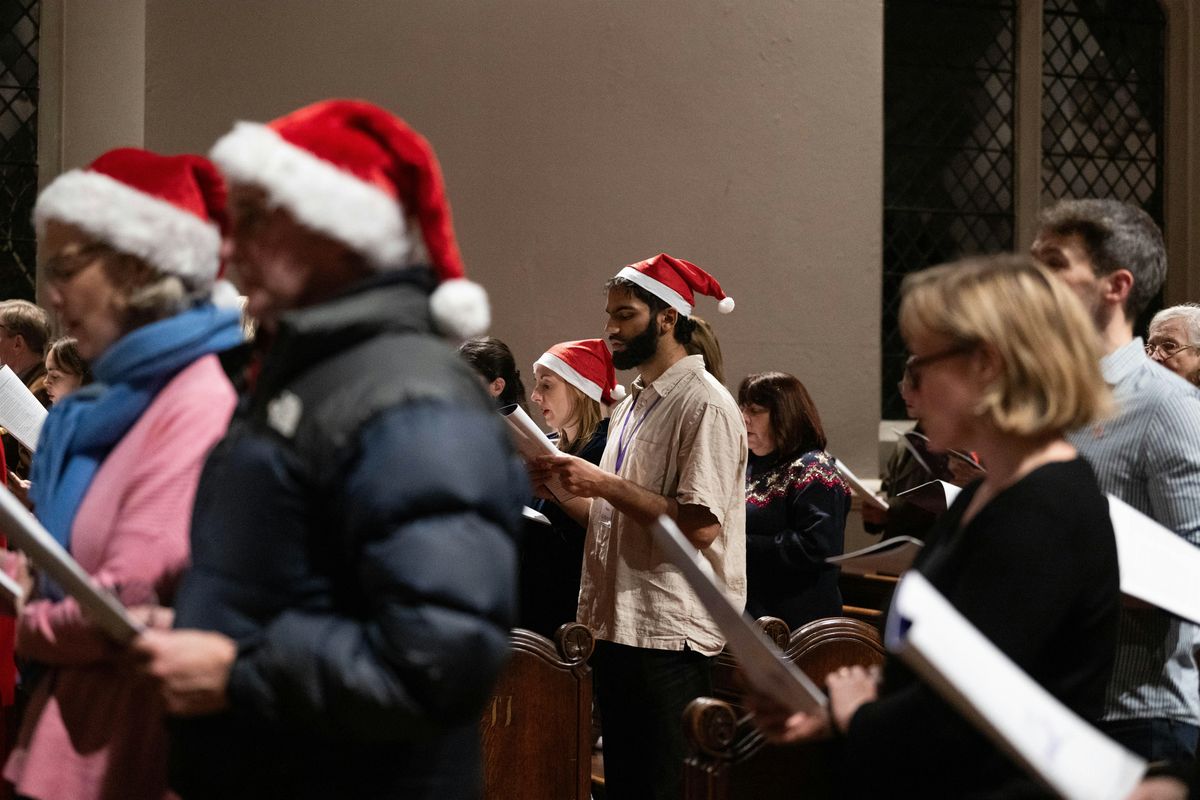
(683, 437)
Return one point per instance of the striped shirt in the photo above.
(1148, 454)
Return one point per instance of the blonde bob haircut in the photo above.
(586, 413)
(1050, 380)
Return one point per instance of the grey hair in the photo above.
(1189, 313)
(165, 297)
(1116, 236)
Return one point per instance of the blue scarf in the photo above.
(82, 430)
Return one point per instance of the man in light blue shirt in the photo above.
(1147, 454)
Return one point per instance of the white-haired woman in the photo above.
(1174, 340)
(132, 246)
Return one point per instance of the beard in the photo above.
(639, 349)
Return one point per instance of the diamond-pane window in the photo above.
(18, 146)
(1102, 102)
(949, 99)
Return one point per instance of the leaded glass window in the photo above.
(949, 86)
(18, 146)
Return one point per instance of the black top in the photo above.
(551, 565)
(795, 518)
(1036, 572)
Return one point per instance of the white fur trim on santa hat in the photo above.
(320, 195)
(460, 308)
(658, 289)
(570, 375)
(173, 241)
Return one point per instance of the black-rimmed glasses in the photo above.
(912, 367)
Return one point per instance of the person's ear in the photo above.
(1118, 285)
(667, 319)
(987, 363)
(496, 387)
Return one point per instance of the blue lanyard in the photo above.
(622, 442)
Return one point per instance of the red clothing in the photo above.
(93, 730)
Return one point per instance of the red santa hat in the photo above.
(169, 211)
(587, 365)
(360, 175)
(674, 281)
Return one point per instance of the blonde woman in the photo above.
(1002, 364)
(575, 385)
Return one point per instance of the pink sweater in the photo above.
(93, 730)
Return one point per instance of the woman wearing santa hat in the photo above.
(575, 387)
(133, 244)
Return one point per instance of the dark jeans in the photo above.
(641, 694)
(1155, 739)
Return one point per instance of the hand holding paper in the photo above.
(533, 445)
(27, 533)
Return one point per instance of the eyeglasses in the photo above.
(63, 267)
(1167, 347)
(912, 367)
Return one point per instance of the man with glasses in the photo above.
(24, 332)
(1174, 340)
(1148, 455)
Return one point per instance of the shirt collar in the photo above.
(666, 382)
(1120, 363)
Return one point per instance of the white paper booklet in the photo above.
(1045, 737)
(935, 496)
(20, 412)
(530, 442)
(534, 516)
(860, 488)
(890, 557)
(765, 667)
(1157, 566)
(25, 532)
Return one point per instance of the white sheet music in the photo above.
(1157, 566)
(860, 488)
(530, 442)
(26, 533)
(1045, 737)
(764, 666)
(935, 496)
(890, 557)
(20, 412)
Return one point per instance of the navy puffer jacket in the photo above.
(352, 533)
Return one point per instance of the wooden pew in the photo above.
(537, 729)
(867, 597)
(729, 759)
(726, 678)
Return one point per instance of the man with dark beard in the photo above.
(676, 446)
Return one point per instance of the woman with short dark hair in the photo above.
(494, 362)
(796, 503)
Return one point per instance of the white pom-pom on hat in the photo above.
(618, 393)
(460, 308)
(726, 305)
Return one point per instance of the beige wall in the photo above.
(579, 136)
(92, 60)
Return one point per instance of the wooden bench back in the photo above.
(537, 729)
(729, 759)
